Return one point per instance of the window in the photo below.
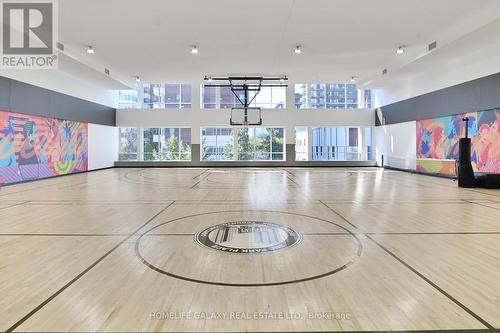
(177, 96)
(156, 96)
(368, 143)
(208, 97)
(336, 96)
(330, 96)
(213, 97)
(243, 144)
(368, 99)
(301, 96)
(217, 144)
(166, 144)
(153, 96)
(317, 96)
(228, 99)
(341, 143)
(127, 99)
(301, 151)
(269, 98)
(128, 144)
(351, 96)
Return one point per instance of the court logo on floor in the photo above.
(246, 237)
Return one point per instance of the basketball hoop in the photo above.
(246, 115)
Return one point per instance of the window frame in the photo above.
(235, 150)
(218, 99)
(161, 143)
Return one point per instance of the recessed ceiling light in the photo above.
(297, 50)
(90, 50)
(400, 50)
(137, 79)
(194, 49)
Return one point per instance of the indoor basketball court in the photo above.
(306, 172)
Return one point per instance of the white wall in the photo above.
(398, 145)
(102, 146)
(71, 78)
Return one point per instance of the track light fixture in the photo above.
(297, 50)
(90, 50)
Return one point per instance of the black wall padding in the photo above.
(25, 98)
(476, 95)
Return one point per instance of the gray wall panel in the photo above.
(476, 95)
(489, 93)
(4, 93)
(29, 99)
(25, 98)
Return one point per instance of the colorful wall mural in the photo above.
(437, 142)
(34, 147)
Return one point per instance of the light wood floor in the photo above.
(115, 250)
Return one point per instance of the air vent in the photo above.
(106, 71)
(433, 45)
(60, 46)
(384, 71)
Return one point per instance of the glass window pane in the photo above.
(300, 96)
(368, 99)
(336, 143)
(330, 96)
(128, 143)
(151, 144)
(172, 94)
(317, 96)
(269, 98)
(301, 139)
(127, 99)
(153, 95)
(277, 139)
(368, 143)
(351, 96)
(249, 144)
(227, 98)
(279, 98)
(209, 97)
(185, 144)
(217, 144)
(186, 94)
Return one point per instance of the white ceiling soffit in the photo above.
(473, 56)
(87, 72)
(340, 38)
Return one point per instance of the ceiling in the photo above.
(340, 38)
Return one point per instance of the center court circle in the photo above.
(281, 253)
